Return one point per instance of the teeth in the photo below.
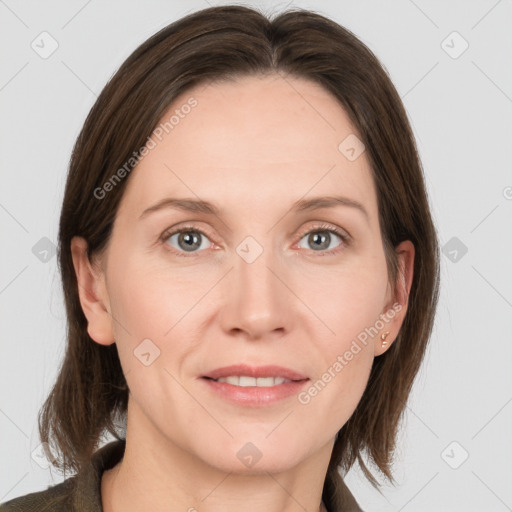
(260, 382)
(248, 381)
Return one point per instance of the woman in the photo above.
(250, 271)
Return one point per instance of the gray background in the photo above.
(460, 109)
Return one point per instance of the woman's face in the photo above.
(261, 277)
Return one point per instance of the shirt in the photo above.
(82, 492)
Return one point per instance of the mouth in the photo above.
(245, 381)
(254, 386)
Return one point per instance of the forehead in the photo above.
(270, 139)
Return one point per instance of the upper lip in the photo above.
(255, 371)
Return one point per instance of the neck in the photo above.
(156, 474)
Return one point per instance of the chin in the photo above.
(256, 455)
(277, 463)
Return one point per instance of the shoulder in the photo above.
(53, 499)
(80, 492)
(336, 495)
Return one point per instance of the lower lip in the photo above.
(253, 396)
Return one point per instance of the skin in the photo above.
(252, 146)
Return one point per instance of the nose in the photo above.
(256, 302)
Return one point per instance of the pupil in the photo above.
(190, 241)
(322, 239)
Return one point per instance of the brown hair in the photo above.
(222, 43)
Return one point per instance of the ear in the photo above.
(92, 293)
(399, 296)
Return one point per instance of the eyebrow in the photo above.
(198, 205)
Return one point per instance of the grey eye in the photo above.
(320, 240)
(189, 241)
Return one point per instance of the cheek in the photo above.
(347, 299)
(149, 308)
(150, 298)
(342, 375)
(349, 302)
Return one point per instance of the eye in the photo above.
(323, 239)
(186, 240)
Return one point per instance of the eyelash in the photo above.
(346, 239)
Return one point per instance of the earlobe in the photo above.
(400, 298)
(92, 294)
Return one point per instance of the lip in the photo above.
(256, 371)
(253, 396)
